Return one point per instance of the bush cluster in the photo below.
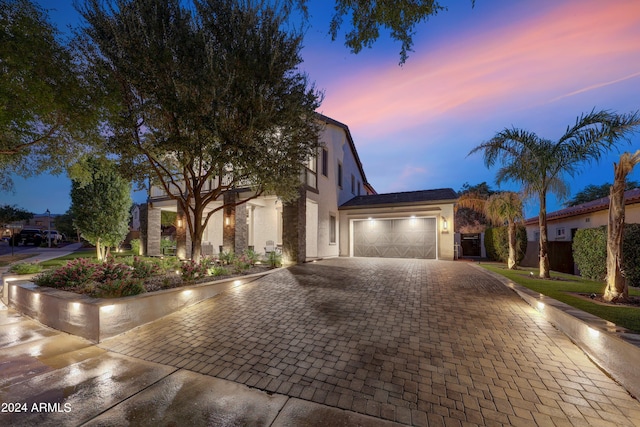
(590, 253)
(25, 268)
(496, 243)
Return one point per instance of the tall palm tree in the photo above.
(506, 207)
(542, 165)
(499, 208)
(617, 289)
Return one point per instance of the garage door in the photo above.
(395, 238)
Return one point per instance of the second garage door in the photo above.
(395, 238)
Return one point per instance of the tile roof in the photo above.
(408, 197)
(630, 197)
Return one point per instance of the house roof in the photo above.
(630, 197)
(331, 121)
(407, 198)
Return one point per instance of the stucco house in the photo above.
(338, 213)
(563, 224)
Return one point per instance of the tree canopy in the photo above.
(203, 99)
(100, 202)
(11, 213)
(44, 114)
(541, 165)
(593, 192)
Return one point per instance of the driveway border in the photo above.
(614, 349)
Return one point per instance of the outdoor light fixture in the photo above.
(48, 212)
(445, 224)
(226, 221)
(179, 223)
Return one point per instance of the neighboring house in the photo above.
(563, 224)
(328, 220)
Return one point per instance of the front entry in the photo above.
(395, 238)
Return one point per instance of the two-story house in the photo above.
(327, 220)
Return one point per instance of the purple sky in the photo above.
(474, 71)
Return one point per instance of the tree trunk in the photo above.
(512, 262)
(544, 256)
(617, 289)
(99, 254)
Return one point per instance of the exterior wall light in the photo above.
(179, 223)
(226, 221)
(445, 224)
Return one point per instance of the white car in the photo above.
(55, 236)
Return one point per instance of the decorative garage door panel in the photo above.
(395, 238)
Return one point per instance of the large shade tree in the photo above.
(593, 192)
(204, 98)
(541, 165)
(617, 289)
(44, 114)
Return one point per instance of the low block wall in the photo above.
(97, 319)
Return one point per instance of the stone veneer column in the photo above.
(228, 222)
(183, 240)
(153, 231)
(294, 229)
(241, 229)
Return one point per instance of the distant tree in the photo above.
(44, 114)
(594, 192)
(64, 224)
(506, 207)
(100, 202)
(11, 213)
(469, 211)
(617, 289)
(207, 98)
(542, 165)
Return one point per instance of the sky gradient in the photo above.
(474, 71)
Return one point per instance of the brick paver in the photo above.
(413, 341)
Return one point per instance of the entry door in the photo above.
(395, 238)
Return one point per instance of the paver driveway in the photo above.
(413, 341)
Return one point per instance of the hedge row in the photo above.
(496, 243)
(590, 253)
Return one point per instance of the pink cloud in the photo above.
(573, 47)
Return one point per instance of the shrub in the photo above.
(143, 268)
(135, 246)
(274, 259)
(76, 273)
(25, 268)
(216, 271)
(118, 288)
(241, 264)
(496, 243)
(252, 256)
(227, 257)
(590, 252)
(192, 270)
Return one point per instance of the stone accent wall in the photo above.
(241, 229)
(183, 249)
(294, 229)
(229, 230)
(154, 231)
(143, 228)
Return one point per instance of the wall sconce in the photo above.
(227, 221)
(445, 224)
(179, 223)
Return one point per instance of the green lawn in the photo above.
(560, 286)
(81, 253)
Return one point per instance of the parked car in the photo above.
(28, 236)
(55, 236)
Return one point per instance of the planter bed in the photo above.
(97, 319)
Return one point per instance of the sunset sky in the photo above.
(535, 65)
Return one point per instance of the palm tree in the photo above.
(542, 165)
(498, 208)
(506, 207)
(617, 289)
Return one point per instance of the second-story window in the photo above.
(353, 184)
(339, 174)
(325, 162)
(359, 188)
